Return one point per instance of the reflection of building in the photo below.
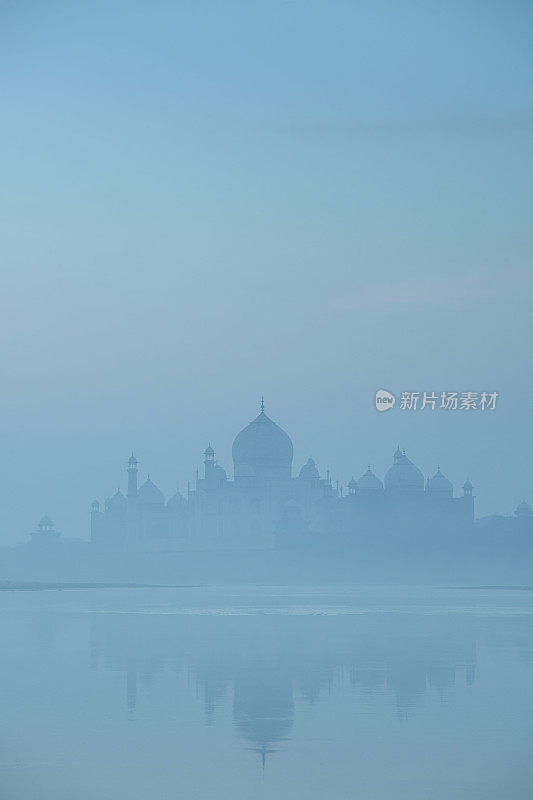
(263, 705)
(264, 505)
(269, 666)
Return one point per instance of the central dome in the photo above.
(262, 452)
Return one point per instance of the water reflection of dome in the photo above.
(263, 708)
(263, 450)
(265, 662)
(403, 476)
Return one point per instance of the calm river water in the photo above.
(286, 692)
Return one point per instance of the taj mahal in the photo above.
(266, 506)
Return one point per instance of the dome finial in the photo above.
(262, 404)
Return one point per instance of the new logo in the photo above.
(384, 400)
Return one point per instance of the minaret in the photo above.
(97, 519)
(132, 476)
(209, 460)
(209, 466)
(468, 499)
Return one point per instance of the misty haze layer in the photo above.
(203, 203)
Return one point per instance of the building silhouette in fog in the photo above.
(140, 516)
(46, 533)
(266, 506)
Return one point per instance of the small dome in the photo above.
(176, 501)
(209, 451)
(219, 474)
(352, 488)
(523, 509)
(95, 505)
(369, 482)
(404, 476)
(132, 461)
(440, 485)
(150, 494)
(467, 486)
(309, 470)
(117, 501)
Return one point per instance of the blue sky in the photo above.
(206, 202)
